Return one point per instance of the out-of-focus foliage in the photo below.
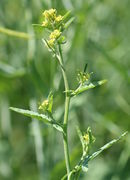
(99, 36)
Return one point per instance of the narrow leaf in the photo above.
(95, 154)
(66, 15)
(46, 119)
(32, 114)
(68, 23)
(80, 136)
(85, 87)
(106, 146)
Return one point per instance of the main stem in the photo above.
(67, 103)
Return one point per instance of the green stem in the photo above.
(67, 103)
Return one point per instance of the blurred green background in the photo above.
(99, 36)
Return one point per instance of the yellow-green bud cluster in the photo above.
(86, 138)
(58, 18)
(53, 22)
(51, 19)
(44, 105)
(83, 77)
(47, 104)
(53, 36)
(50, 14)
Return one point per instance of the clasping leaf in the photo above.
(84, 161)
(95, 154)
(85, 87)
(42, 117)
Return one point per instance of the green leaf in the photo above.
(85, 87)
(66, 16)
(50, 99)
(69, 22)
(80, 136)
(66, 20)
(91, 137)
(42, 117)
(32, 114)
(84, 161)
(95, 154)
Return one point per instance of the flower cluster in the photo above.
(44, 105)
(51, 19)
(86, 138)
(54, 23)
(50, 15)
(53, 37)
(47, 104)
(83, 77)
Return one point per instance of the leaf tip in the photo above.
(103, 81)
(11, 108)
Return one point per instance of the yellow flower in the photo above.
(86, 77)
(51, 42)
(52, 11)
(59, 18)
(44, 105)
(50, 14)
(55, 34)
(44, 23)
(86, 138)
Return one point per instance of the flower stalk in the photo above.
(66, 113)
